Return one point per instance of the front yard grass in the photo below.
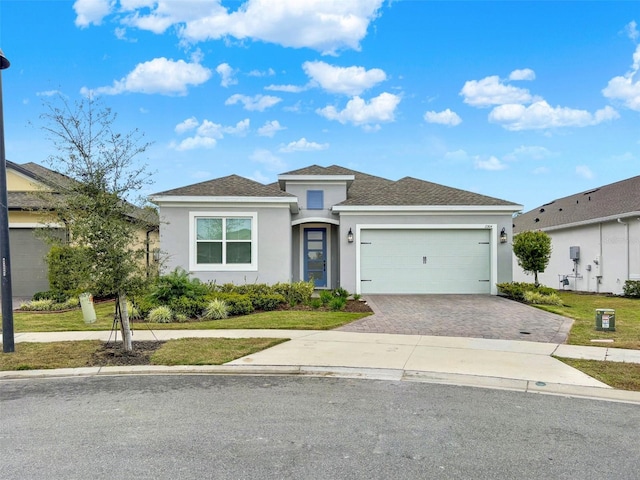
(277, 319)
(185, 351)
(624, 376)
(582, 308)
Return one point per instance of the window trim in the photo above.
(194, 266)
(317, 192)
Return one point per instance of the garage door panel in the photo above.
(425, 261)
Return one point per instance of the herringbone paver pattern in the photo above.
(474, 316)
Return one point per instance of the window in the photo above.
(315, 199)
(223, 242)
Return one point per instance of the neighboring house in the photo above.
(27, 214)
(338, 227)
(595, 236)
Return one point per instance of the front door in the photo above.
(315, 256)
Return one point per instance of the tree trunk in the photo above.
(124, 322)
(535, 277)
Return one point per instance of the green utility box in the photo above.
(606, 319)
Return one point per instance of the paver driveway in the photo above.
(476, 316)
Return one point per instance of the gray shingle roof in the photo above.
(365, 190)
(617, 198)
(230, 186)
(412, 191)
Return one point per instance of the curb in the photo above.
(495, 383)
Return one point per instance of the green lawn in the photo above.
(280, 319)
(185, 351)
(582, 308)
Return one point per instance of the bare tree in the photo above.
(100, 177)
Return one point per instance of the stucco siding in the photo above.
(273, 244)
(609, 255)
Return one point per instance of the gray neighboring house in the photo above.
(338, 227)
(595, 238)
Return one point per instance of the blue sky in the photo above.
(525, 101)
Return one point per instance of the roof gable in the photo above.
(615, 199)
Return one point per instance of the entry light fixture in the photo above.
(350, 236)
(503, 236)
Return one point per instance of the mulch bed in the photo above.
(112, 354)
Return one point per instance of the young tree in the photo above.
(533, 251)
(101, 175)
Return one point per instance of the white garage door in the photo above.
(425, 261)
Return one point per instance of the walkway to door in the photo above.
(474, 316)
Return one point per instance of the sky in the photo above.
(523, 101)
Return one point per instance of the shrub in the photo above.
(161, 314)
(315, 303)
(55, 295)
(296, 292)
(70, 303)
(325, 297)
(267, 302)
(187, 306)
(542, 299)
(216, 310)
(180, 317)
(175, 285)
(43, 305)
(133, 311)
(237, 304)
(631, 289)
(337, 303)
(357, 296)
(340, 292)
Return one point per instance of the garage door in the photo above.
(29, 269)
(425, 261)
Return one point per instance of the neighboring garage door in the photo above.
(415, 261)
(28, 267)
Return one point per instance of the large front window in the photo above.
(224, 242)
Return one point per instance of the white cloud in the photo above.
(303, 145)
(345, 80)
(256, 103)
(268, 159)
(49, 93)
(456, 156)
(269, 129)
(524, 74)
(492, 91)
(90, 12)
(157, 76)
(227, 75)
(259, 73)
(192, 143)
(446, 117)
(528, 152)
(323, 25)
(624, 88)
(286, 88)
(541, 115)
(359, 112)
(584, 172)
(207, 133)
(186, 125)
(259, 177)
(492, 164)
(631, 30)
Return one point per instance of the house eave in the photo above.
(427, 208)
(283, 179)
(170, 200)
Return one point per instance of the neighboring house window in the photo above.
(223, 242)
(315, 199)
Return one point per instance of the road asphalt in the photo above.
(501, 364)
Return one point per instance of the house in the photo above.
(338, 227)
(28, 214)
(595, 237)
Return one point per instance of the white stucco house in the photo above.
(338, 227)
(595, 236)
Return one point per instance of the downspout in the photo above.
(599, 277)
(627, 229)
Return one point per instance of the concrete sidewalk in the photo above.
(506, 364)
